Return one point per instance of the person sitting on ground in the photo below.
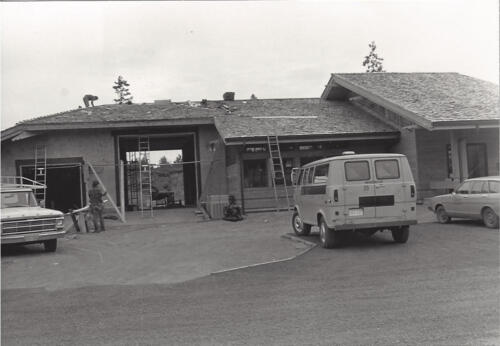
(232, 212)
(97, 206)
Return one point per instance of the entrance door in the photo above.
(359, 191)
(477, 165)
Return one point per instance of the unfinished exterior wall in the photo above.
(94, 146)
(212, 154)
(407, 146)
(432, 156)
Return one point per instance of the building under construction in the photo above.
(445, 123)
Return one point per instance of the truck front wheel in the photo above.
(50, 245)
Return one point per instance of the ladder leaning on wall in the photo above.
(145, 189)
(277, 171)
(40, 171)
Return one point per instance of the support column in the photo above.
(455, 157)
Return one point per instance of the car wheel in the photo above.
(400, 235)
(50, 245)
(299, 227)
(441, 215)
(490, 219)
(328, 237)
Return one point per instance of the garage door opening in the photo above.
(170, 160)
(64, 186)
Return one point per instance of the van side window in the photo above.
(310, 175)
(321, 174)
(357, 170)
(304, 176)
(387, 169)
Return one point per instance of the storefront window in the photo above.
(255, 173)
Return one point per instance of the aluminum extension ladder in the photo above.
(277, 171)
(145, 189)
(40, 171)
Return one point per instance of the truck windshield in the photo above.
(15, 199)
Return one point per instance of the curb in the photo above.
(286, 236)
(297, 239)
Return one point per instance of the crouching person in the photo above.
(232, 212)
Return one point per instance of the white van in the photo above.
(366, 193)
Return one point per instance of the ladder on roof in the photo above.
(40, 171)
(145, 189)
(277, 171)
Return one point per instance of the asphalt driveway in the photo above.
(172, 247)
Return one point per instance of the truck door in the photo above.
(390, 188)
(358, 191)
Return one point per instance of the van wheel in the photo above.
(441, 215)
(50, 245)
(490, 219)
(328, 237)
(400, 235)
(299, 227)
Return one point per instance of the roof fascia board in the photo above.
(384, 103)
(464, 127)
(118, 124)
(328, 87)
(23, 135)
(263, 140)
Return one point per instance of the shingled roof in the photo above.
(296, 117)
(428, 99)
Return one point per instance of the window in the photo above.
(255, 173)
(464, 188)
(477, 187)
(255, 149)
(357, 170)
(387, 169)
(476, 160)
(321, 174)
(308, 176)
(494, 186)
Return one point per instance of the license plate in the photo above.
(31, 237)
(355, 212)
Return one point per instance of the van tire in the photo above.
(490, 219)
(441, 215)
(299, 227)
(328, 237)
(50, 245)
(400, 235)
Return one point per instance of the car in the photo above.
(476, 198)
(23, 220)
(364, 193)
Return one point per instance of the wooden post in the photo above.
(108, 195)
(122, 189)
(75, 222)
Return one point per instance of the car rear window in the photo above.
(495, 186)
(387, 169)
(357, 170)
(321, 174)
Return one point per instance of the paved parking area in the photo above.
(174, 246)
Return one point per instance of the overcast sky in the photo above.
(53, 53)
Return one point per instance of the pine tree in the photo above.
(121, 89)
(372, 61)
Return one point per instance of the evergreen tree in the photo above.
(372, 61)
(163, 160)
(178, 159)
(121, 89)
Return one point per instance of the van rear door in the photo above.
(390, 187)
(359, 190)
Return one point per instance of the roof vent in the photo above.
(228, 96)
(348, 153)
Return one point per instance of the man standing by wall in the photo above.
(96, 206)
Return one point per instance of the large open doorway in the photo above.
(172, 159)
(64, 185)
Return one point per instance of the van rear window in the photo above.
(357, 170)
(387, 169)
